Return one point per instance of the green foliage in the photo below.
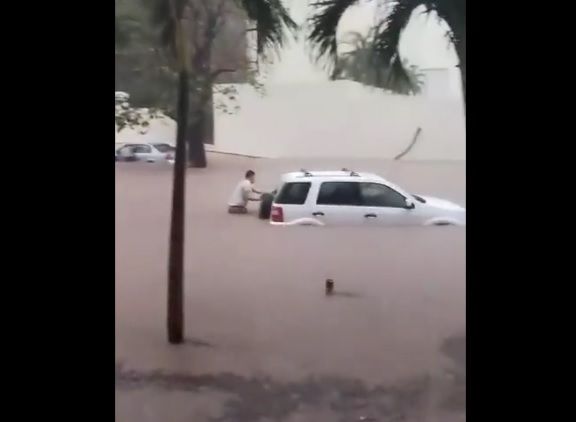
(359, 65)
(145, 63)
(127, 116)
(131, 27)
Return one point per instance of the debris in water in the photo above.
(329, 286)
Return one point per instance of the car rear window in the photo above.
(293, 193)
(141, 149)
(339, 193)
(164, 147)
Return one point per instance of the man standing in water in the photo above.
(241, 195)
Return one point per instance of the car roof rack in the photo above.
(352, 173)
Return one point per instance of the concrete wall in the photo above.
(339, 119)
(331, 120)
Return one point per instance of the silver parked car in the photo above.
(147, 152)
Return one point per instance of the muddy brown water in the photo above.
(389, 344)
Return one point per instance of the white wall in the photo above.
(341, 119)
(330, 120)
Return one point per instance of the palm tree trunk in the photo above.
(176, 247)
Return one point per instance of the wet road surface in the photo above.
(264, 342)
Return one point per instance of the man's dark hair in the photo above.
(249, 173)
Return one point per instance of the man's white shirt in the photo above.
(241, 194)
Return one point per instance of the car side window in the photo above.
(164, 148)
(339, 193)
(377, 195)
(142, 149)
(293, 193)
(126, 149)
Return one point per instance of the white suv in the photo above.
(349, 198)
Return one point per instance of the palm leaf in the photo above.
(325, 25)
(387, 38)
(453, 12)
(360, 65)
(271, 19)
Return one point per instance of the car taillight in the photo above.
(277, 215)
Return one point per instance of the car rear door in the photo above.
(337, 203)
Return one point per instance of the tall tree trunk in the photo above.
(196, 150)
(209, 119)
(175, 318)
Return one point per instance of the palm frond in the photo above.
(386, 53)
(453, 13)
(359, 65)
(272, 19)
(324, 25)
(400, 76)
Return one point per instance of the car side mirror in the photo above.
(410, 204)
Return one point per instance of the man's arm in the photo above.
(247, 197)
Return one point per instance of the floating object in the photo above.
(329, 286)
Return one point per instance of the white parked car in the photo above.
(348, 198)
(148, 152)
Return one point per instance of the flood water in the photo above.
(256, 309)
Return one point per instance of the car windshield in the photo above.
(164, 147)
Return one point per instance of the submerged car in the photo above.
(345, 197)
(147, 152)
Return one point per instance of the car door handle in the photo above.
(370, 216)
(317, 213)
